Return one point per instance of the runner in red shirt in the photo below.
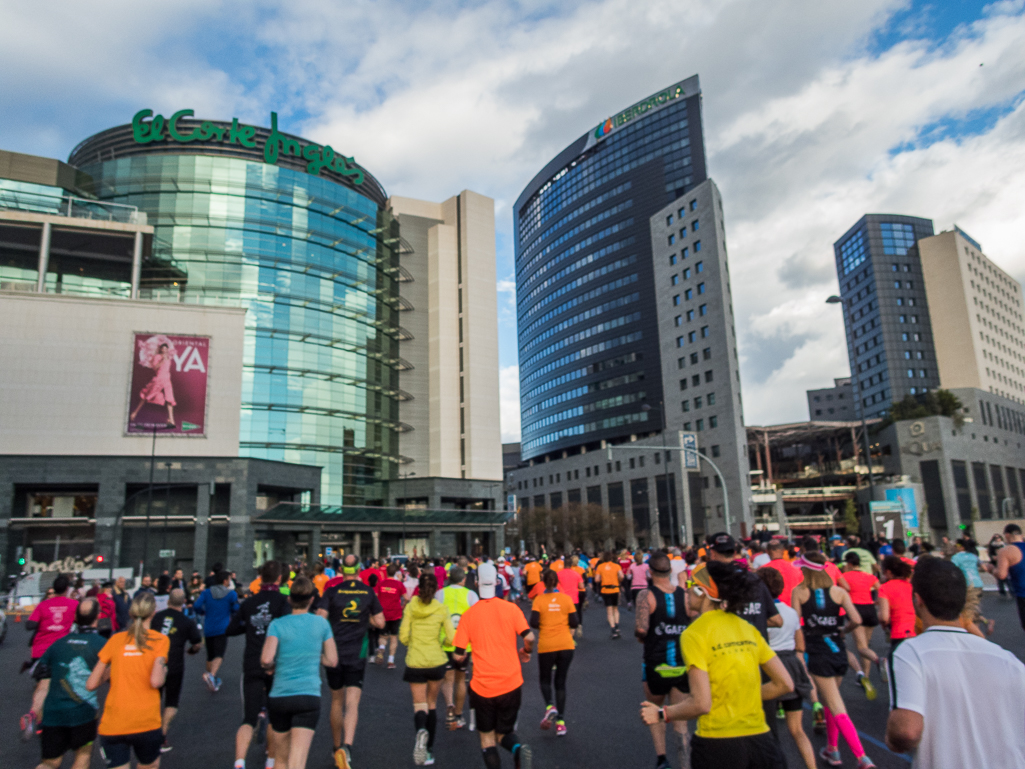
(572, 585)
(894, 603)
(51, 620)
(391, 593)
(861, 587)
(792, 576)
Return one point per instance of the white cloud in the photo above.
(509, 392)
(809, 124)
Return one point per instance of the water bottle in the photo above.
(473, 720)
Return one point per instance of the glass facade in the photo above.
(889, 335)
(585, 282)
(316, 264)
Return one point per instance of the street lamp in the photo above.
(665, 454)
(857, 390)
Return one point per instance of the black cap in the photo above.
(723, 543)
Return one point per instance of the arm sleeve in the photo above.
(574, 620)
(200, 603)
(771, 611)
(375, 605)
(449, 628)
(326, 633)
(272, 629)
(237, 624)
(471, 598)
(36, 613)
(535, 619)
(106, 654)
(195, 636)
(404, 629)
(907, 686)
(765, 652)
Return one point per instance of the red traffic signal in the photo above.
(99, 559)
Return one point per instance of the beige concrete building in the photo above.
(977, 320)
(450, 302)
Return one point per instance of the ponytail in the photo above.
(142, 608)
(428, 586)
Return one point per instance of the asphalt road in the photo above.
(604, 693)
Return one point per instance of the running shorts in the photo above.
(299, 712)
(756, 751)
(172, 688)
(791, 706)
(802, 684)
(216, 645)
(869, 618)
(634, 592)
(391, 626)
(117, 749)
(611, 599)
(660, 685)
(348, 673)
(497, 714)
(423, 675)
(461, 667)
(826, 664)
(55, 741)
(255, 687)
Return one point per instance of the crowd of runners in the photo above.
(738, 636)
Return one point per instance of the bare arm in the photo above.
(776, 621)
(1004, 561)
(883, 608)
(377, 620)
(269, 652)
(97, 677)
(697, 703)
(780, 682)
(904, 730)
(643, 619)
(328, 655)
(853, 617)
(158, 676)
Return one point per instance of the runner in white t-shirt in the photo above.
(956, 699)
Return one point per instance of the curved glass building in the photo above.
(300, 236)
(585, 285)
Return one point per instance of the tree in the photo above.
(935, 403)
(850, 517)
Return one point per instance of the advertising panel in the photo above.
(169, 385)
(909, 507)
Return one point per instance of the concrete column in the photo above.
(240, 532)
(110, 502)
(435, 542)
(201, 536)
(357, 542)
(44, 257)
(500, 540)
(377, 543)
(136, 264)
(781, 514)
(314, 544)
(6, 503)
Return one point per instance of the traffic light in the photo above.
(21, 561)
(99, 559)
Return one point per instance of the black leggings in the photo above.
(559, 661)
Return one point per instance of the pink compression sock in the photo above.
(832, 730)
(850, 734)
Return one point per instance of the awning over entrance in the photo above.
(379, 517)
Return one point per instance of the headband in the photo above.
(704, 583)
(804, 563)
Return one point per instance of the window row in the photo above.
(695, 380)
(691, 337)
(699, 424)
(698, 402)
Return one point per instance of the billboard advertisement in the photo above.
(169, 385)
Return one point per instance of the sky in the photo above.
(814, 114)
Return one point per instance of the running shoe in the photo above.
(524, 757)
(210, 681)
(217, 684)
(165, 748)
(28, 726)
(884, 676)
(420, 747)
(819, 725)
(870, 690)
(551, 714)
(560, 728)
(379, 657)
(780, 713)
(391, 666)
(461, 723)
(429, 761)
(831, 757)
(865, 763)
(663, 763)
(450, 718)
(342, 758)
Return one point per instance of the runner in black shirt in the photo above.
(252, 619)
(352, 608)
(762, 613)
(180, 630)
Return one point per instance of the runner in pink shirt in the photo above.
(51, 620)
(638, 573)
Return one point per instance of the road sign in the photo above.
(690, 441)
(167, 553)
(887, 519)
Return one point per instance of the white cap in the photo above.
(501, 559)
(487, 576)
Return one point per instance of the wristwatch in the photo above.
(661, 714)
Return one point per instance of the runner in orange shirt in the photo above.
(608, 575)
(554, 615)
(532, 572)
(491, 626)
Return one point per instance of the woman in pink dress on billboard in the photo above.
(157, 353)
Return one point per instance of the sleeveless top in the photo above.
(667, 623)
(822, 623)
(1016, 574)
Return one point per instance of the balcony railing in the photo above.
(70, 206)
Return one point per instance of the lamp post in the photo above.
(844, 308)
(665, 464)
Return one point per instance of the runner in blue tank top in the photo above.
(1011, 566)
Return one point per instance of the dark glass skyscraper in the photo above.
(585, 286)
(886, 315)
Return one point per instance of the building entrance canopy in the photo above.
(385, 518)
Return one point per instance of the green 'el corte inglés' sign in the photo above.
(147, 128)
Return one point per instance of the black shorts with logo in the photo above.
(55, 741)
(827, 664)
(346, 673)
(661, 685)
(391, 626)
(497, 714)
(611, 599)
(117, 749)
